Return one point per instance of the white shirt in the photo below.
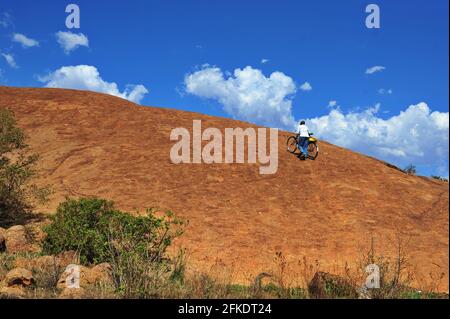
(303, 131)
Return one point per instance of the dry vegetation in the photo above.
(137, 277)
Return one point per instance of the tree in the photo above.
(17, 169)
(410, 169)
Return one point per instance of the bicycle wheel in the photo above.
(313, 151)
(292, 145)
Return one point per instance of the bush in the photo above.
(93, 227)
(410, 170)
(395, 272)
(17, 168)
(47, 276)
(141, 268)
(134, 246)
(78, 225)
(440, 178)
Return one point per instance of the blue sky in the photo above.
(159, 44)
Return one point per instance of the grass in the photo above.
(6, 264)
(194, 286)
(135, 248)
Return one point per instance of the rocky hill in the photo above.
(328, 209)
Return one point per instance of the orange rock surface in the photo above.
(328, 209)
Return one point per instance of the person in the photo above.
(303, 137)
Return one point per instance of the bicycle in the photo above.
(313, 147)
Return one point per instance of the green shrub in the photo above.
(77, 226)
(96, 230)
(17, 169)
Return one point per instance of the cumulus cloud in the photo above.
(374, 69)
(86, 77)
(70, 41)
(264, 61)
(10, 60)
(247, 94)
(24, 40)
(306, 87)
(416, 135)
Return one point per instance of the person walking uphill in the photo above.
(303, 137)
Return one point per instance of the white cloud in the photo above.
(417, 135)
(134, 92)
(86, 77)
(70, 41)
(332, 103)
(385, 91)
(10, 60)
(264, 61)
(306, 87)
(374, 69)
(24, 40)
(247, 94)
